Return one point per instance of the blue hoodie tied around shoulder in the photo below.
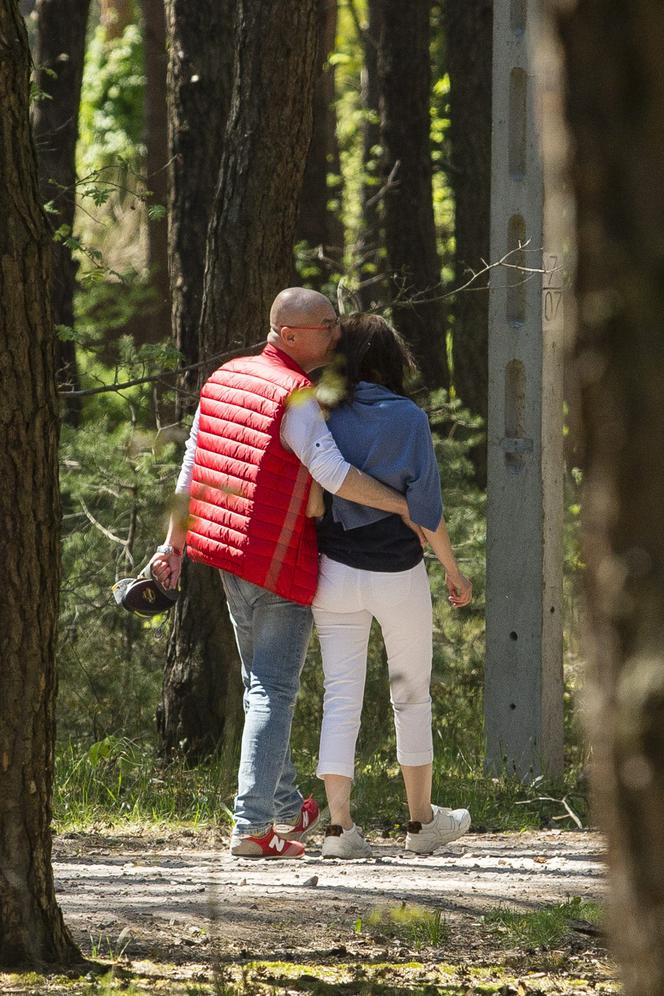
(388, 437)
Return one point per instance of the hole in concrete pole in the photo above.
(514, 635)
(518, 16)
(518, 123)
(512, 705)
(516, 278)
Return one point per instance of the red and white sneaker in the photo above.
(271, 845)
(307, 821)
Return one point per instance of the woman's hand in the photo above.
(460, 588)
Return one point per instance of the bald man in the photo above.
(258, 440)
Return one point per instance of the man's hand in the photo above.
(460, 588)
(416, 529)
(316, 503)
(166, 569)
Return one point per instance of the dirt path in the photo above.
(181, 899)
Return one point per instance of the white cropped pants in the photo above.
(346, 601)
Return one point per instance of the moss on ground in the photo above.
(265, 978)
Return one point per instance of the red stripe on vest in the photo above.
(248, 493)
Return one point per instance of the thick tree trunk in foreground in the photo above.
(468, 28)
(319, 225)
(410, 235)
(31, 926)
(156, 143)
(265, 149)
(200, 77)
(615, 109)
(61, 27)
(201, 693)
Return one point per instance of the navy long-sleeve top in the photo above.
(387, 436)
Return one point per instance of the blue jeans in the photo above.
(272, 636)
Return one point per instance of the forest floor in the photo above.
(172, 912)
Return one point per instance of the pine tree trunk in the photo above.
(265, 147)
(201, 694)
(318, 225)
(468, 28)
(371, 236)
(31, 926)
(61, 27)
(410, 235)
(200, 77)
(615, 109)
(201, 704)
(115, 16)
(249, 252)
(156, 144)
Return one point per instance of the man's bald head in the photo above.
(299, 306)
(304, 325)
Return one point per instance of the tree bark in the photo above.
(371, 236)
(319, 225)
(468, 28)
(201, 704)
(615, 110)
(115, 16)
(201, 696)
(200, 77)
(156, 143)
(61, 28)
(32, 930)
(410, 235)
(249, 250)
(265, 147)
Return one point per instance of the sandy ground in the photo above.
(171, 897)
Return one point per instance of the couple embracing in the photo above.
(309, 519)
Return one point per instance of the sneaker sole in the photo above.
(347, 857)
(268, 857)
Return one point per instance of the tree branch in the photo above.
(162, 375)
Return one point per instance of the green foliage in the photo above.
(117, 779)
(111, 117)
(542, 928)
(36, 93)
(417, 926)
(117, 479)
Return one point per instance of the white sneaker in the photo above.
(446, 826)
(348, 844)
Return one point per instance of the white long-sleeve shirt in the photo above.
(304, 432)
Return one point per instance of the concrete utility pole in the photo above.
(523, 686)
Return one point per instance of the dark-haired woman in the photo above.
(372, 568)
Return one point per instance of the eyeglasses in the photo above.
(325, 326)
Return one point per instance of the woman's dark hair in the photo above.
(372, 350)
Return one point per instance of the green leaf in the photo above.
(66, 333)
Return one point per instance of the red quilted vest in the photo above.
(248, 493)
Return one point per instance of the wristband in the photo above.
(168, 550)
